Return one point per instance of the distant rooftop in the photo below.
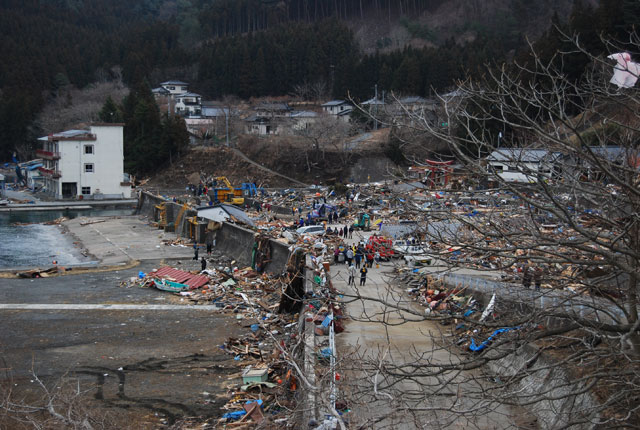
(373, 101)
(214, 111)
(412, 100)
(522, 155)
(335, 103)
(174, 83)
(273, 106)
(180, 96)
(303, 114)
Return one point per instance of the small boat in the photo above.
(165, 285)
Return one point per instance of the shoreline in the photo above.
(117, 243)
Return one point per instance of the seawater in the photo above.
(37, 244)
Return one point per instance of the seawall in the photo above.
(232, 240)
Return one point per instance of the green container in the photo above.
(251, 376)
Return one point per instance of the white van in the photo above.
(311, 229)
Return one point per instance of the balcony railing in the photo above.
(47, 155)
(49, 173)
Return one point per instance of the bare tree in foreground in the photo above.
(566, 355)
(60, 404)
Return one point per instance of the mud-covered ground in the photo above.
(143, 368)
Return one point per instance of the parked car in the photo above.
(311, 229)
(418, 259)
(408, 247)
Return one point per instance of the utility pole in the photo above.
(226, 120)
(375, 117)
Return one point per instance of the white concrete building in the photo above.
(85, 164)
(522, 165)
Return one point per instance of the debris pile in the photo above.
(263, 390)
(460, 310)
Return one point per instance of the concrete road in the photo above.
(378, 336)
(143, 366)
(118, 240)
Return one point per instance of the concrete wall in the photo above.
(232, 240)
(549, 390)
(552, 386)
(237, 242)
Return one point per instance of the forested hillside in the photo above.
(262, 48)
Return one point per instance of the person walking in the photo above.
(195, 251)
(376, 258)
(203, 263)
(352, 275)
(363, 275)
(351, 231)
(209, 244)
(349, 256)
(358, 257)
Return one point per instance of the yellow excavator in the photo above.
(229, 194)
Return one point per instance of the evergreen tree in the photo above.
(110, 112)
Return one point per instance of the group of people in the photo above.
(356, 255)
(345, 232)
(358, 259)
(352, 275)
(529, 274)
(196, 250)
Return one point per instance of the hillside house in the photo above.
(272, 110)
(261, 125)
(188, 104)
(301, 120)
(85, 164)
(339, 108)
(175, 88)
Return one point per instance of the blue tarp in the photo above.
(483, 345)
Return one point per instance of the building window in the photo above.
(86, 190)
(172, 88)
(88, 168)
(88, 149)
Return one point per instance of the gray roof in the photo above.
(214, 111)
(257, 118)
(412, 100)
(303, 114)
(373, 101)
(179, 96)
(222, 212)
(522, 155)
(272, 106)
(160, 90)
(174, 83)
(611, 153)
(335, 103)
